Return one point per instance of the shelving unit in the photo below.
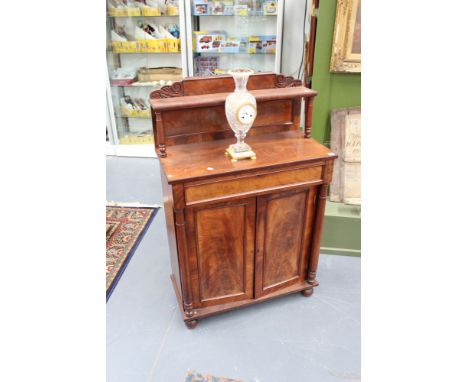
(132, 135)
(236, 27)
(122, 128)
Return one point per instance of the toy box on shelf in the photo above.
(150, 11)
(230, 45)
(153, 46)
(219, 42)
(124, 12)
(123, 77)
(208, 41)
(125, 46)
(160, 45)
(237, 7)
(134, 107)
(270, 8)
(158, 74)
(261, 45)
(206, 65)
(172, 10)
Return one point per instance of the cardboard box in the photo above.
(270, 8)
(200, 7)
(261, 44)
(208, 41)
(157, 74)
(230, 45)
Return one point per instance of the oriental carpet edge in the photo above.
(125, 228)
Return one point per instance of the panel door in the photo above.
(221, 251)
(284, 223)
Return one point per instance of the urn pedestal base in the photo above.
(249, 154)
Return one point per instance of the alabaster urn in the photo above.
(241, 110)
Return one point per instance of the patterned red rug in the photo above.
(125, 227)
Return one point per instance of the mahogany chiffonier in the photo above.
(239, 232)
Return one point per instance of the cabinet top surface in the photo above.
(207, 159)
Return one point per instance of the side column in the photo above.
(179, 204)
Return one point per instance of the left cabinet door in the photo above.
(221, 241)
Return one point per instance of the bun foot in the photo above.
(191, 324)
(308, 292)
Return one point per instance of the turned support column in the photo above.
(159, 134)
(308, 117)
(318, 223)
(184, 264)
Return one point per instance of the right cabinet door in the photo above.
(283, 238)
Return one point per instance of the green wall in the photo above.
(342, 225)
(334, 90)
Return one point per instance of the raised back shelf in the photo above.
(216, 99)
(192, 110)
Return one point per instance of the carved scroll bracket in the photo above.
(286, 81)
(168, 91)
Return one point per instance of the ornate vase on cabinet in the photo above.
(241, 111)
(239, 232)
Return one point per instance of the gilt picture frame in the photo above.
(346, 49)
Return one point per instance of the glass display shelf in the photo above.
(145, 51)
(250, 54)
(259, 15)
(114, 52)
(136, 117)
(142, 16)
(224, 35)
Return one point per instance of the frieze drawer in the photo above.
(242, 186)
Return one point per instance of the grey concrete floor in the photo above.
(290, 339)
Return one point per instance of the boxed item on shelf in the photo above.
(241, 10)
(206, 65)
(123, 76)
(269, 44)
(217, 8)
(172, 10)
(208, 41)
(122, 12)
(230, 45)
(254, 45)
(157, 74)
(136, 108)
(228, 8)
(237, 7)
(151, 11)
(270, 8)
(173, 45)
(125, 46)
(261, 44)
(200, 7)
(117, 8)
(157, 45)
